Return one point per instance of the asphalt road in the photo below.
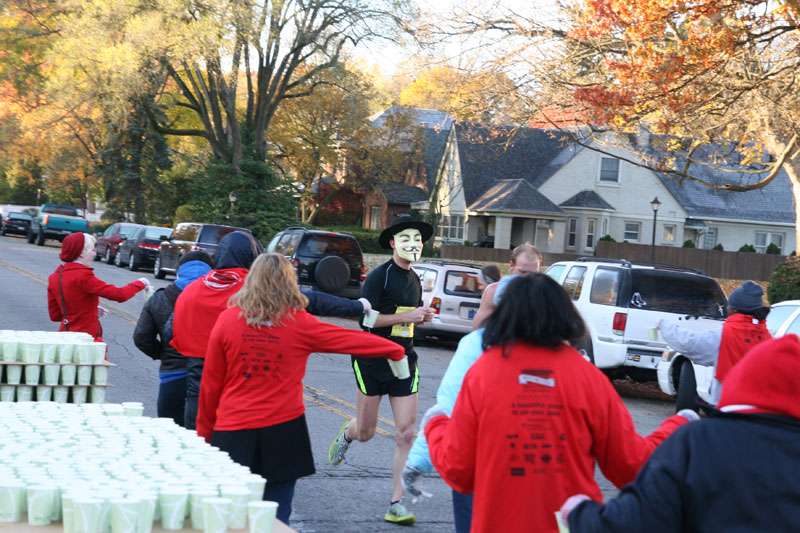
(349, 498)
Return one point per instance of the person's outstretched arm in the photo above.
(94, 285)
(323, 304)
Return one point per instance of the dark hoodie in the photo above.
(736, 471)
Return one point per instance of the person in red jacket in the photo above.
(251, 393)
(73, 291)
(534, 417)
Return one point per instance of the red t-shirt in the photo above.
(526, 432)
(253, 377)
(199, 305)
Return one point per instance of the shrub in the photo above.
(719, 247)
(607, 238)
(785, 281)
(688, 243)
(773, 249)
(96, 228)
(747, 248)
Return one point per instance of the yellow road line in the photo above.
(344, 402)
(334, 410)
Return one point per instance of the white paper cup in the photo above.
(50, 374)
(256, 485)
(31, 352)
(85, 375)
(68, 374)
(125, 515)
(65, 352)
(196, 497)
(7, 393)
(83, 353)
(79, 395)
(400, 368)
(98, 395)
(100, 375)
(653, 334)
(86, 515)
(98, 352)
(216, 512)
(239, 496)
(66, 511)
(24, 393)
(172, 502)
(49, 352)
(32, 373)
(13, 374)
(370, 317)
(44, 393)
(12, 498)
(133, 408)
(41, 500)
(261, 516)
(148, 503)
(60, 394)
(10, 350)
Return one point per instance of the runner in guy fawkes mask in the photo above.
(394, 290)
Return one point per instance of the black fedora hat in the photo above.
(402, 223)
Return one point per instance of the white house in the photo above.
(513, 185)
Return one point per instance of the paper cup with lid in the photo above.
(261, 516)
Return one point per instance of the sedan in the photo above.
(108, 243)
(15, 223)
(140, 249)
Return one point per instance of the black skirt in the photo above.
(278, 453)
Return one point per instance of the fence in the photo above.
(715, 263)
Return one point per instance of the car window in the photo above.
(273, 244)
(127, 231)
(676, 292)
(110, 230)
(462, 284)
(605, 286)
(66, 211)
(186, 232)
(794, 327)
(574, 281)
(326, 244)
(213, 234)
(289, 243)
(778, 315)
(427, 278)
(20, 216)
(155, 233)
(555, 271)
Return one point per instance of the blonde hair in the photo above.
(88, 244)
(269, 292)
(526, 249)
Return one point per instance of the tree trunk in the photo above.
(792, 168)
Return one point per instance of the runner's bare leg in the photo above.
(404, 409)
(362, 428)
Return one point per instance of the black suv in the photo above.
(188, 237)
(324, 260)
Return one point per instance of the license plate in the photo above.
(634, 358)
(468, 312)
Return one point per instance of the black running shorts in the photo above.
(374, 377)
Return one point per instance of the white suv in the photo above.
(453, 290)
(620, 301)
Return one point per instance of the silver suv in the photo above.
(453, 290)
(620, 301)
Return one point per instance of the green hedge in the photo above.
(785, 281)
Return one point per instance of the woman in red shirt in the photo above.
(251, 393)
(533, 417)
(73, 291)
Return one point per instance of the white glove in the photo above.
(101, 311)
(436, 410)
(689, 415)
(571, 503)
(145, 281)
(366, 304)
(409, 478)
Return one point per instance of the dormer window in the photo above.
(609, 170)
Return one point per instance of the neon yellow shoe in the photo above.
(398, 514)
(338, 447)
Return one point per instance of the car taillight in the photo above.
(620, 319)
(150, 246)
(436, 303)
(363, 273)
(295, 265)
(46, 219)
(8, 221)
(195, 248)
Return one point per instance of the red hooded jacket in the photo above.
(526, 433)
(82, 290)
(740, 333)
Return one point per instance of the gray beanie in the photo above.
(747, 297)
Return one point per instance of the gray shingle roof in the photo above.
(428, 118)
(489, 153)
(435, 143)
(396, 193)
(587, 198)
(515, 195)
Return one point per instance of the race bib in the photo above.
(403, 329)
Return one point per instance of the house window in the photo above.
(572, 232)
(605, 227)
(710, 239)
(763, 240)
(632, 231)
(375, 217)
(669, 233)
(451, 227)
(609, 170)
(590, 230)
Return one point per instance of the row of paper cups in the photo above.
(52, 375)
(47, 393)
(50, 347)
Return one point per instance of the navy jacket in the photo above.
(151, 334)
(731, 472)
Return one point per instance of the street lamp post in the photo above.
(233, 197)
(655, 204)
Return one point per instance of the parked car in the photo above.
(109, 241)
(452, 289)
(187, 237)
(140, 249)
(679, 376)
(620, 301)
(55, 222)
(324, 260)
(15, 223)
